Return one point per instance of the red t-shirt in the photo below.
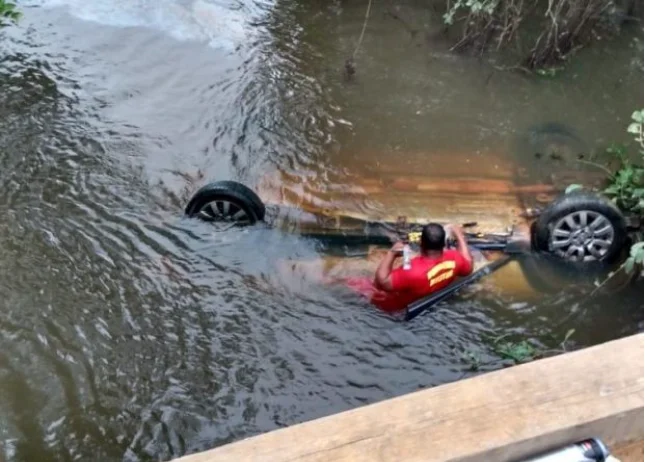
(426, 275)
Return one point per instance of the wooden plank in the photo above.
(629, 452)
(501, 416)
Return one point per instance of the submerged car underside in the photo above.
(516, 210)
(579, 230)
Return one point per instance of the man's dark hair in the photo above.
(433, 237)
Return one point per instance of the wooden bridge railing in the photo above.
(501, 416)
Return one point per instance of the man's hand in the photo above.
(462, 245)
(382, 279)
(453, 231)
(397, 248)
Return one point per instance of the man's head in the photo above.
(433, 237)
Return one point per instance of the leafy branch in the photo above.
(636, 127)
(626, 186)
(626, 189)
(635, 257)
(8, 13)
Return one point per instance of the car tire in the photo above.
(581, 227)
(228, 201)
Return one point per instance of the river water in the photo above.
(130, 333)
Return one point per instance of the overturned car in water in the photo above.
(578, 233)
(578, 227)
(512, 205)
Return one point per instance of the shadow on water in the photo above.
(128, 332)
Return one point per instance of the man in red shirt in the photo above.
(435, 268)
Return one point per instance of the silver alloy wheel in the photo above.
(582, 236)
(224, 211)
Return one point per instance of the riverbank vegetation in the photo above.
(626, 184)
(544, 32)
(626, 188)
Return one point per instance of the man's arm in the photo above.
(462, 247)
(383, 279)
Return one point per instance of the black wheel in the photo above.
(226, 201)
(581, 227)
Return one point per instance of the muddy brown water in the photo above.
(130, 333)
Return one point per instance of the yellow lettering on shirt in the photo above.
(441, 272)
(443, 266)
(442, 277)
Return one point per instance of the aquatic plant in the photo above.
(523, 351)
(518, 352)
(473, 359)
(8, 13)
(515, 352)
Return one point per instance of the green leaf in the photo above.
(637, 116)
(636, 249)
(472, 359)
(612, 190)
(547, 72)
(634, 128)
(8, 13)
(497, 339)
(624, 175)
(640, 205)
(570, 332)
(448, 17)
(518, 352)
(629, 265)
(636, 253)
(617, 150)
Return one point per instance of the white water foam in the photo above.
(196, 20)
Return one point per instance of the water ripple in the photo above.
(128, 332)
